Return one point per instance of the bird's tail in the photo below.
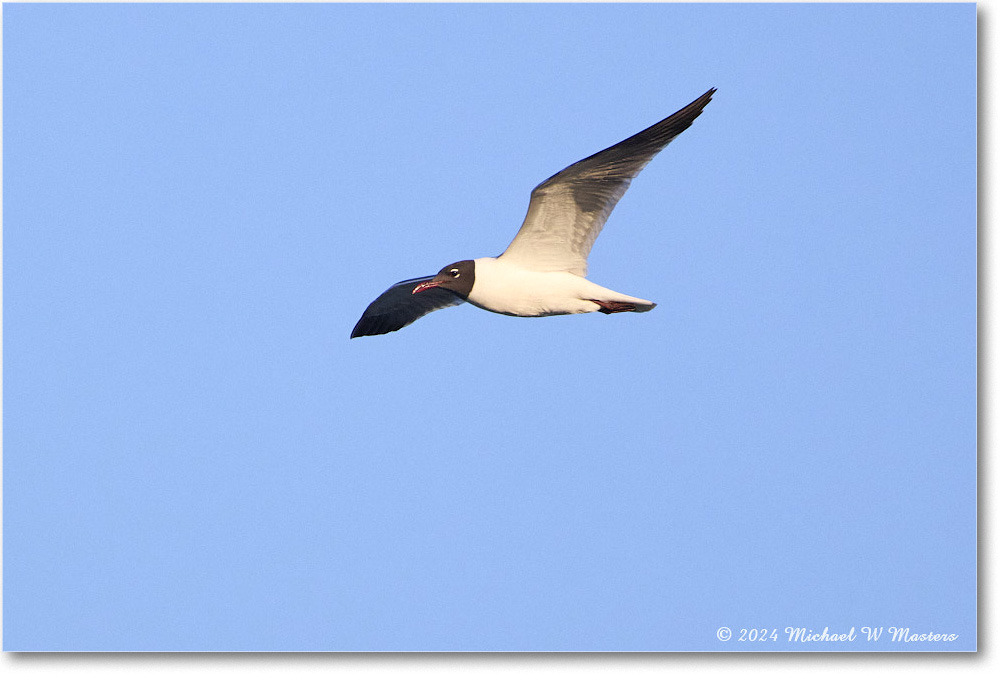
(615, 306)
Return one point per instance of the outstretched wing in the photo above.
(399, 307)
(567, 211)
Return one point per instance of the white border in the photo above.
(744, 663)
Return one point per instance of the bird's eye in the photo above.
(454, 273)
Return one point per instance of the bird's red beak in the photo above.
(424, 286)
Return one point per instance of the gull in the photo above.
(543, 271)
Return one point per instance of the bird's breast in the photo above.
(508, 289)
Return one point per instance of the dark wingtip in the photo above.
(377, 324)
(367, 327)
(696, 106)
(363, 328)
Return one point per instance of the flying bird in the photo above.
(543, 271)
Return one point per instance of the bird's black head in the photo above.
(457, 278)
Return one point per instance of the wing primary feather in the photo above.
(621, 158)
(568, 210)
(398, 307)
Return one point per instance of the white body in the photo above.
(507, 288)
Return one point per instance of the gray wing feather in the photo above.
(399, 307)
(567, 211)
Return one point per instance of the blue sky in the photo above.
(200, 201)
